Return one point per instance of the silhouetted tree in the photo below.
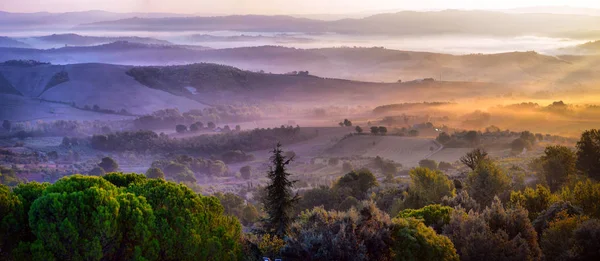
(558, 163)
(472, 159)
(280, 200)
(246, 172)
(180, 128)
(382, 130)
(6, 124)
(374, 130)
(588, 153)
(358, 129)
(109, 164)
(155, 173)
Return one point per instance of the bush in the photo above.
(435, 216)
(495, 234)
(412, 240)
(330, 235)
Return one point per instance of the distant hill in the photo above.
(589, 48)
(401, 23)
(60, 40)
(146, 89)
(45, 20)
(12, 43)
(365, 64)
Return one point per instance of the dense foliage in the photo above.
(116, 217)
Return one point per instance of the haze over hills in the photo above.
(142, 90)
(364, 64)
(12, 43)
(46, 20)
(405, 23)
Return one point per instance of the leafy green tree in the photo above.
(558, 163)
(428, 163)
(155, 173)
(487, 181)
(246, 172)
(586, 195)
(358, 130)
(75, 221)
(356, 183)
(280, 200)
(124, 180)
(12, 213)
(108, 164)
(413, 241)
(427, 187)
(189, 226)
(435, 216)
(535, 201)
(588, 154)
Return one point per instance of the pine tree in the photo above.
(280, 199)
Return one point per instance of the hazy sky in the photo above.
(274, 6)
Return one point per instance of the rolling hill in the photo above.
(363, 64)
(141, 90)
(12, 43)
(61, 40)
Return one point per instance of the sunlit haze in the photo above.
(275, 6)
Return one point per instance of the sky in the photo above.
(275, 6)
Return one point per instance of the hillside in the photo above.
(61, 40)
(82, 85)
(12, 43)
(141, 90)
(363, 64)
(589, 48)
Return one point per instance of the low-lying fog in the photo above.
(450, 44)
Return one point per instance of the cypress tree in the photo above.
(280, 199)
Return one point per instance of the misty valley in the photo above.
(411, 135)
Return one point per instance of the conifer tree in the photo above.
(280, 198)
